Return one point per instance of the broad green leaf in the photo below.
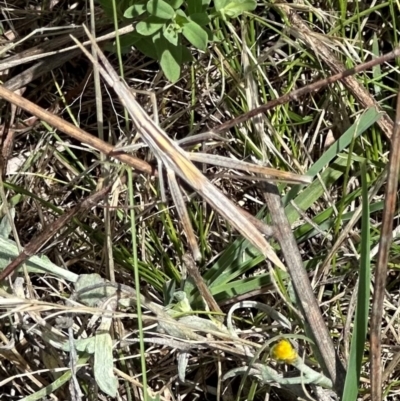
(182, 359)
(195, 6)
(5, 224)
(195, 34)
(181, 18)
(170, 66)
(146, 46)
(169, 56)
(160, 9)
(170, 33)
(104, 365)
(136, 9)
(220, 4)
(200, 18)
(95, 296)
(87, 345)
(129, 39)
(175, 4)
(237, 7)
(150, 26)
(35, 264)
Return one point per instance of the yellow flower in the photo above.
(284, 352)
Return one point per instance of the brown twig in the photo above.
(314, 87)
(39, 69)
(301, 283)
(75, 132)
(382, 261)
(46, 49)
(204, 291)
(39, 241)
(304, 33)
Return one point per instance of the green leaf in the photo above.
(35, 264)
(237, 7)
(136, 9)
(181, 18)
(200, 18)
(170, 67)
(195, 7)
(169, 56)
(357, 347)
(175, 4)
(5, 224)
(171, 34)
(160, 9)
(146, 46)
(104, 365)
(195, 34)
(95, 296)
(233, 8)
(221, 4)
(129, 39)
(369, 117)
(82, 345)
(150, 26)
(240, 255)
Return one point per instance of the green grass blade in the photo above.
(241, 256)
(370, 117)
(361, 320)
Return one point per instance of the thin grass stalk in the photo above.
(137, 283)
